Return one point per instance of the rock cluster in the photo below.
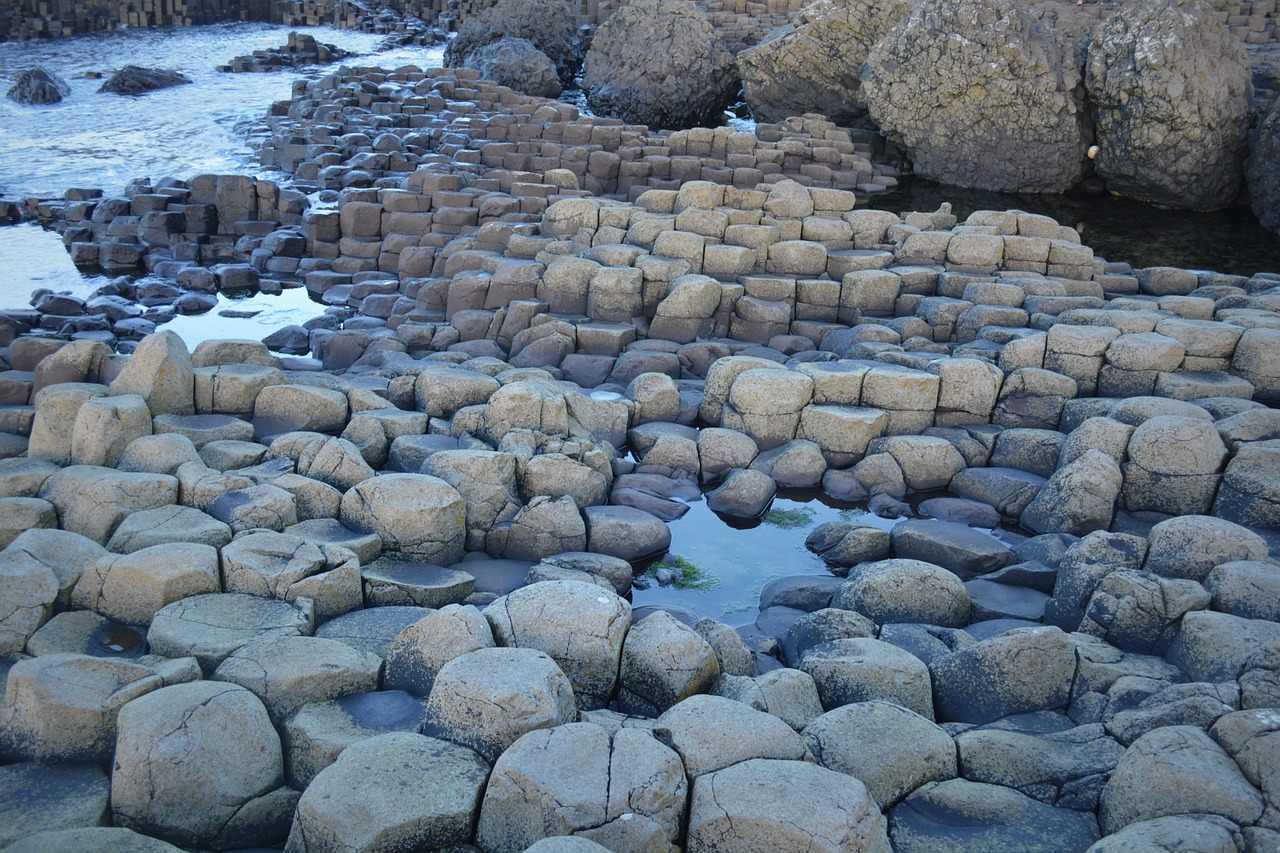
(301, 49)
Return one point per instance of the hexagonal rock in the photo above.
(1173, 466)
(1191, 546)
(316, 735)
(713, 732)
(1027, 669)
(399, 791)
(663, 662)
(888, 748)
(132, 587)
(765, 804)
(93, 501)
(398, 582)
(211, 627)
(63, 707)
(285, 408)
(624, 789)
(765, 403)
(579, 625)
(105, 426)
(1176, 770)
(859, 669)
(625, 532)
(168, 524)
(416, 515)
(103, 839)
(420, 650)
(488, 698)
(487, 482)
(261, 506)
(63, 552)
(200, 765)
(28, 589)
(927, 462)
(288, 672)
(905, 591)
(42, 797)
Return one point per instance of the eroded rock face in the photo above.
(1263, 169)
(517, 63)
(980, 97)
(133, 80)
(1172, 102)
(659, 62)
(38, 87)
(815, 64)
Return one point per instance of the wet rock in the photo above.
(133, 80)
(623, 788)
(663, 662)
(633, 54)
(400, 789)
(1173, 771)
(844, 544)
(172, 752)
(1261, 173)
(959, 815)
(765, 804)
(1171, 131)
(580, 626)
(890, 749)
(1029, 669)
(956, 547)
(488, 698)
(921, 88)
(743, 494)
(815, 64)
(624, 532)
(905, 590)
(38, 87)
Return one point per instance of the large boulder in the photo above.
(37, 87)
(1172, 103)
(815, 64)
(1263, 169)
(133, 80)
(517, 63)
(660, 63)
(980, 97)
(551, 26)
(624, 788)
(416, 515)
(199, 765)
(1028, 669)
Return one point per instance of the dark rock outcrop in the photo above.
(550, 25)
(37, 87)
(815, 64)
(980, 97)
(1172, 100)
(517, 63)
(659, 62)
(133, 80)
(1263, 171)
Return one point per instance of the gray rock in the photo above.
(663, 662)
(844, 544)
(712, 732)
(550, 25)
(103, 839)
(956, 547)
(958, 815)
(488, 698)
(394, 507)
(1083, 567)
(1219, 647)
(788, 694)
(912, 84)
(159, 369)
(1008, 490)
(809, 630)
(168, 525)
(1141, 612)
(1181, 152)
(373, 629)
(624, 532)
(517, 63)
(396, 581)
(399, 790)
(172, 752)
(211, 627)
(1173, 466)
(905, 590)
(93, 501)
(863, 669)
(1043, 766)
(1079, 498)
(653, 41)
(133, 80)
(765, 804)
(622, 788)
(1177, 834)
(420, 650)
(1173, 771)
(1261, 174)
(1246, 588)
(745, 493)
(316, 735)
(1029, 669)
(38, 87)
(39, 798)
(890, 749)
(1192, 546)
(288, 672)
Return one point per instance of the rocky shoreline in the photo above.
(365, 585)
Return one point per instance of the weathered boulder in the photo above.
(551, 26)
(1176, 770)
(905, 590)
(888, 748)
(416, 515)
(396, 791)
(580, 626)
(1208, 833)
(199, 764)
(625, 532)
(1173, 466)
(663, 662)
(280, 565)
(420, 650)
(1191, 546)
(518, 64)
(859, 669)
(38, 87)
(288, 672)
(1028, 669)
(1078, 498)
(211, 627)
(104, 839)
(980, 97)
(623, 788)
(767, 804)
(660, 63)
(28, 590)
(92, 501)
(1141, 612)
(487, 482)
(1172, 102)
(814, 65)
(159, 369)
(132, 588)
(488, 698)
